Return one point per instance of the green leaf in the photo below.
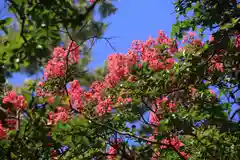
(175, 30)
(178, 55)
(188, 9)
(19, 1)
(6, 22)
(206, 46)
(60, 125)
(226, 26)
(13, 155)
(85, 141)
(235, 20)
(67, 140)
(106, 9)
(75, 121)
(160, 137)
(182, 148)
(57, 101)
(27, 97)
(12, 132)
(145, 67)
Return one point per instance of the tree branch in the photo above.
(234, 114)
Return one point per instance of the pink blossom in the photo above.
(61, 114)
(57, 66)
(17, 101)
(114, 148)
(212, 92)
(113, 153)
(216, 64)
(11, 123)
(154, 119)
(51, 100)
(3, 132)
(76, 93)
(104, 106)
(192, 90)
(156, 156)
(121, 100)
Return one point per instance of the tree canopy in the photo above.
(162, 84)
(38, 26)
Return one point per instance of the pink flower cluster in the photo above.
(119, 67)
(96, 90)
(216, 64)
(150, 54)
(172, 142)
(61, 114)
(78, 95)
(3, 131)
(170, 43)
(56, 67)
(75, 93)
(122, 100)
(119, 64)
(156, 156)
(11, 123)
(158, 104)
(112, 151)
(18, 102)
(170, 105)
(190, 38)
(176, 144)
(154, 119)
(104, 106)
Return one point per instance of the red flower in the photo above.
(56, 67)
(17, 101)
(3, 132)
(104, 106)
(61, 114)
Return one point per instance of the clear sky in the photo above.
(134, 20)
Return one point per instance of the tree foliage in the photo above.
(154, 102)
(221, 18)
(38, 26)
(214, 15)
(155, 78)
